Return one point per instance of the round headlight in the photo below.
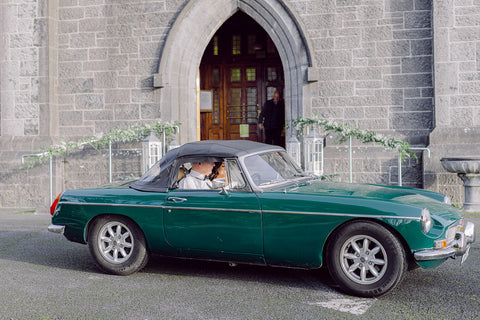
(426, 221)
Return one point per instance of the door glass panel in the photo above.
(235, 75)
(235, 105)
(252, 114)
(215, 76)
(251, 74)
(215, 46)
(271, 74)
(270, 92)
(236, 45)
(216, 106)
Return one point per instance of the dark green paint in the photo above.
(288, 226)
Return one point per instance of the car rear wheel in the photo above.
(366, 259)
(117, 245)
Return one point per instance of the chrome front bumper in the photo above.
(459, 247)
(56, 228)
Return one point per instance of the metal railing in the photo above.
(350, 160)
(110, 175)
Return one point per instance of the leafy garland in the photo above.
(344, 132)
(135, 133)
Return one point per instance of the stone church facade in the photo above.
(72, 69)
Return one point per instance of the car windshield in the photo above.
(272, 167)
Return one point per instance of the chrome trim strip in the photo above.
(249, 210)
(109, 204)
(343, 215)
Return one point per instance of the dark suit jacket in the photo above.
(272, 116)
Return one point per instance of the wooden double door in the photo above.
(238, 92)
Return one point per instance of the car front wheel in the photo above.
(366, 259)
(117, 245)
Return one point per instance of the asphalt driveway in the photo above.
(44, 276)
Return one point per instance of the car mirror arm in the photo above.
(223, 191)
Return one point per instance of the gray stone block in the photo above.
(150, 111)
(389, 96)
(89, 101)
(463, 51)
(117, 96)
(421, 47)
(92, 25)
(26, 111)
(82, 40)
(71, 118)
(425, 104)
(341, 58)
(408, 81)
(412, 93)
(418, 19)
(322, 21)
(31, 127)
(105, 80)
(336, 88)
(73, 55)
(102, 115)
(428, 92)
(417, 65)
(464, 34)
(127, 112)
(395, 48)
(399, 5)
(412, 120)
(77, 85)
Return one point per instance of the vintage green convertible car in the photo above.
(265, 211)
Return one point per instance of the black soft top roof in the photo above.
(223, 148)
(158, 178)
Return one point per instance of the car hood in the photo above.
(351, 190)
(359, 193)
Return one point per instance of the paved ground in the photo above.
(46, 277)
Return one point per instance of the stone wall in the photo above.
(71, 69)
(374, 63)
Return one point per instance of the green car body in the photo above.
(289, 223)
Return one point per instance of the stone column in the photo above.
(457, 100)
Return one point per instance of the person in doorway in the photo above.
(197, 179)
(272, 118)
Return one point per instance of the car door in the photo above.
(215, 223)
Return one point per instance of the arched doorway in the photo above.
(240, 70)
(188, 40)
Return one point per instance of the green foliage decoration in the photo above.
(131, 134)
(344, 132)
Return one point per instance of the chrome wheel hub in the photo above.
(363, 259)
(115, 242)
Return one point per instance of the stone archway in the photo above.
(190, 35)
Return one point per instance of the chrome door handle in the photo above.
(176, 199)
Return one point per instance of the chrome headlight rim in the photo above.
(426, 221)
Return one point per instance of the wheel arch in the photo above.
(387, 226)
(98, 216)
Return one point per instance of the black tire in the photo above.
(365, 259)
(117, 245)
